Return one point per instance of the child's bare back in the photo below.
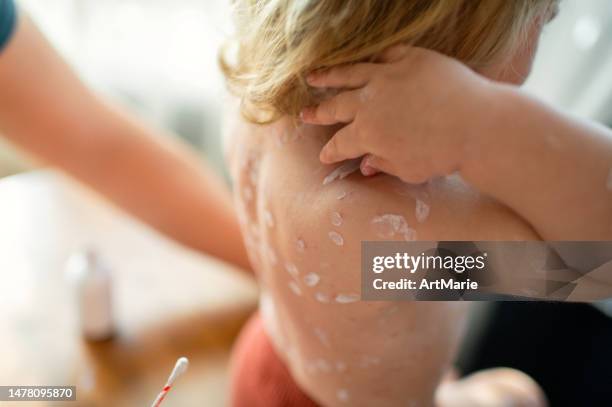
(304, 222)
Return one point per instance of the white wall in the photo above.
(158, 57)
(574, 64)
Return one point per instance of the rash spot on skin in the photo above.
(322, 297)
(336, 219)
(390, 225)
(311, 279)
(347, 298)
(295, 288)
(421, 211)
(300, 245)
(336, 238)
(292, 269)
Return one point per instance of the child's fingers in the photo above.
(366, 167)
(342, 146)
(374, 164)
(341, 108)
(343, 76)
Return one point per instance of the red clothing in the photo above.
(259, 377)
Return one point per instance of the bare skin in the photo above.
(304, 238)
(481, 129)
(46, 110)
(371, 353)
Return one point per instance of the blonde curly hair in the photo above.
(278, 42)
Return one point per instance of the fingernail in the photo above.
(367, 171)
(366, 168)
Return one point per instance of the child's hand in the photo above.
(410, 115)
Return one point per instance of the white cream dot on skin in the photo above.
(340, 366)
(343, 171)
(295, 288)
(322, 297)
(300, 245)
(421, 211)
(342, 195)
(347, 298)
(336, 238)
(390, 225)
(336, 219)
(342, 395)
(292, 269)
(311, 279)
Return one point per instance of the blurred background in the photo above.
(158, 58)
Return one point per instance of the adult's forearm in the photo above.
(550, 168)
(46, 110)
(165, 184)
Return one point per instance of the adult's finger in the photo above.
(342, 146)
(341, 108)
(342, 76)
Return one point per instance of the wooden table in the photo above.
(168, 302)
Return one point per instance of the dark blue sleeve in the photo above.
(8, 19)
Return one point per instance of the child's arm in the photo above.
(552, 169)
(422, 115)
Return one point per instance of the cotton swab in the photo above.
(181, 366)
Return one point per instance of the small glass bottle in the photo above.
(93, 289)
